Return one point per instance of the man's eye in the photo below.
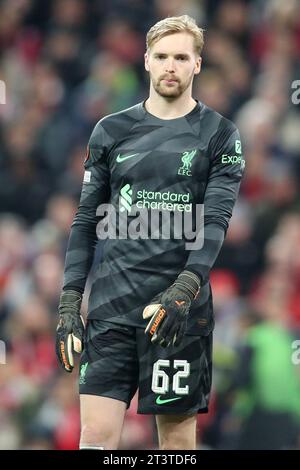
(182, 59)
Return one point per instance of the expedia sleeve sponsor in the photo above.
(231, 154)
(226, 170)
(233, 160)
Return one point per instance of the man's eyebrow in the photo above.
(182, 54)
(178, 54)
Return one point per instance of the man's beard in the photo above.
(170, 91)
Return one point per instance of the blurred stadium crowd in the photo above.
(67, 63)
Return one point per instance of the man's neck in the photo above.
(166, 109)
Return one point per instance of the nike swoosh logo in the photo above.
(122, 158)
(159, 401)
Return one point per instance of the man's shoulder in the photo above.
(113, 127)
(216, 132)
(214, 121)
(126, 117)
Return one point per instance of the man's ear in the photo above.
(146, 57)
(198, 65)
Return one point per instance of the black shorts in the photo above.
(117, 360)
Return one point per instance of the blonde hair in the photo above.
(176, 24)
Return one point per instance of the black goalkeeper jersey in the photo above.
(138, 161)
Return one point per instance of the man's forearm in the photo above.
(80, 254)
(201, 261)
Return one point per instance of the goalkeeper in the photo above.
(150, 316)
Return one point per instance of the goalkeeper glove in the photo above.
(169, 309)
(70, 328)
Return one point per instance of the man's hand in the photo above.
(169, 310)
(70, 328)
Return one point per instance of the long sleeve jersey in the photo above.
(175, 167)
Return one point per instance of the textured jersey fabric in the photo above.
(134, 160)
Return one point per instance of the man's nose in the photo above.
(170, 65)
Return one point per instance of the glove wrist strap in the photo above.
(189, 282)
(70, 300)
